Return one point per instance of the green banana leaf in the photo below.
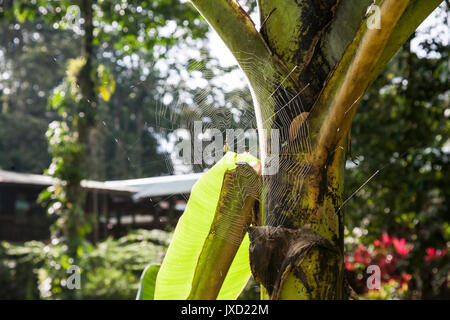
(175, 277)
(148, 280)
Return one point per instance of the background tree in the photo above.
(401, 132)
(124, 33)
(74, 141)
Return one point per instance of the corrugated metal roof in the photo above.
(105, 186)
(160, 186)
(140, 188)
(25, 178)
(45, 181)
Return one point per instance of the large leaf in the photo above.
(148, 281)
(177, 271)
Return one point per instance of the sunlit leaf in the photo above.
(148, 281)
(107, 85)
(178, 268)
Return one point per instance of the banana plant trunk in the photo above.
(308, 66)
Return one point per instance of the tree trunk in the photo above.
(85, 78)
(307, 68)
(75, 228)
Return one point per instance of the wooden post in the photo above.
(96, 216)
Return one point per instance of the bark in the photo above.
(85, 79)
(85, 121)
(307, 69)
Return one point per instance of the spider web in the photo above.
(198, 96)
(273, 116)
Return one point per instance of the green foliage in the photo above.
(18, 266)
(66, 151)
(110, 270)
(64, 199)
(18, 132)
(251, 291)
(136, 24)
(402, 129)
(67, 143)
(138, 18)
(23, 94)
(148, 282)
(107, 85)
(37, 40)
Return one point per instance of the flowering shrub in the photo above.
(392, 256)
(109, 270)
(389, 255)
(433, 254)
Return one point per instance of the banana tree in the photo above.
(307, 66)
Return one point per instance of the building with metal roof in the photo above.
(117, 205)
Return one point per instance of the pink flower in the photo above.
(433, 254)
(385, 238)
(377, 243)
(400, 246)
(406, 276)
